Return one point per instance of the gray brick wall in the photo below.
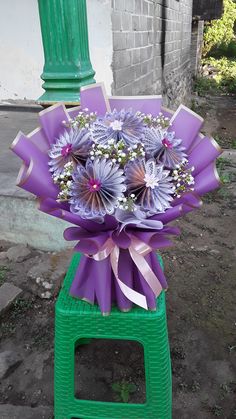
(152, 48)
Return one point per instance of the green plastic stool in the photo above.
(77, 321)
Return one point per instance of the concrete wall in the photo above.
(152, 43)
(196, 47)
(21, 52)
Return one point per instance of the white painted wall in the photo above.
(100, 40)
(21, 51)
(21, 54)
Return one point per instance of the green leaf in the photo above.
(116, 387)
(125, 395)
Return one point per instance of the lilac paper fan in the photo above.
(151, 184)
(162, 145)
(71, 146)
(120, 126)
(96, 189)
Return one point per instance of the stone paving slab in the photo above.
(8, 411)
(9, 361)
(11, 123)
(8, 293)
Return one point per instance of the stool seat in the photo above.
(77, 321)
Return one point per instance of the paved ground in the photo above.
(201, 315)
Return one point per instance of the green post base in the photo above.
(66, 50)
(77, 320)
(68, 97)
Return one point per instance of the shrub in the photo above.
(225, 76)
(224, 50)
(220, 31)
(204, 85)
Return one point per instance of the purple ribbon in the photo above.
(106, 247)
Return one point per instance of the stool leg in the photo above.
(158, 379)
(64, 366)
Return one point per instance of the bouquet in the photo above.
(120, 169)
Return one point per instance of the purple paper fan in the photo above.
(151, 184)
(162, 145)
(96, 189)
(71, 146)
(122, 125)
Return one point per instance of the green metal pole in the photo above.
(66, 50)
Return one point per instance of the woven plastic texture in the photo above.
(77, 320)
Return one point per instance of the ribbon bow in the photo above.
(139, 244)
(138, 250)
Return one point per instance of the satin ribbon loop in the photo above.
(138, 253)
(138, 250)
(105, 250)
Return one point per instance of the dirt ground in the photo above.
(201, 272)
(219, 113)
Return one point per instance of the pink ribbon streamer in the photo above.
(138, 250)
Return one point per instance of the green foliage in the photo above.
(220, 54)
(220, 31)
(123, 390)
(226, 388)
(20, 306)
(221, 164)
(217, 410)
(226, 178)
(224, 50)
(224, 77)
(204, 85)
(225, 141)
(3, 270)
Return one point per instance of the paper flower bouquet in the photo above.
(119, 169)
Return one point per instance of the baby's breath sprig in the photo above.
(159, 121)
(117, 152)
(183, 179)
(82, 120)
(64, 181)
(127, 203)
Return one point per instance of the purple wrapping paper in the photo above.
(94, 98)
(53, 127)
(144, 104)
(186, 125)
(95, 280)
(201, 160)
